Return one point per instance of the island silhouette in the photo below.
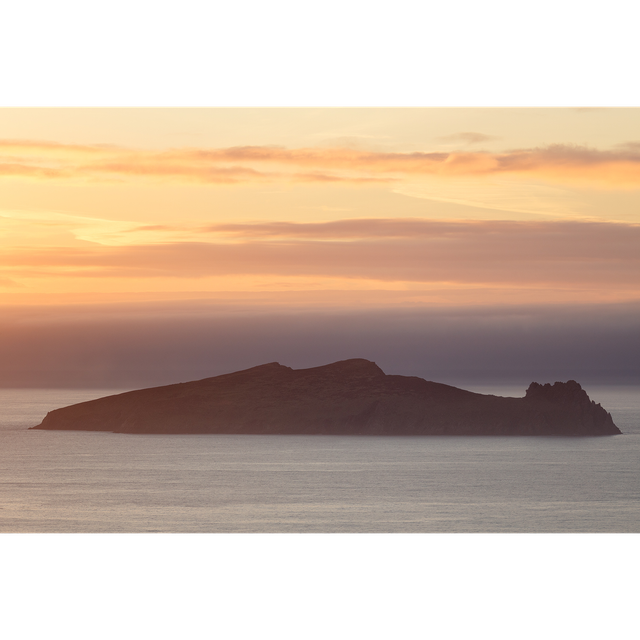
(350, 397)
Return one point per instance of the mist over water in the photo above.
(149, 345)
(103, 482)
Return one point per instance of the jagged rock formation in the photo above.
(348, 397)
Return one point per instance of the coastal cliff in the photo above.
(349, 397)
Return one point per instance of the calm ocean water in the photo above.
(103, 482)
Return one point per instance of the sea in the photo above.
(85, 482)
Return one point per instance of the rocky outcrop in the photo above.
(348, 397)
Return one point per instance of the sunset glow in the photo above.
(334, 209)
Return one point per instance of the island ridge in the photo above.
(350, 397)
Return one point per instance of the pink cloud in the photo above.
(620, 166)
(557, 253)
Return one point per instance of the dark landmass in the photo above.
(352, 397)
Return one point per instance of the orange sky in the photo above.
(448, 206)
(149, 245)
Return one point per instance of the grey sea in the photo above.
(104, 482)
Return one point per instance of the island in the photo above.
(351, 397)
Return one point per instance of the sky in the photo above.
(146, 246)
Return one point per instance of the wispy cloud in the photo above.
(50, 146)
(570, 163)
(593, 255)
(52, 228)
(631, 146)
(8, 283)
(16, 169)
(153, 227)
(467, 137)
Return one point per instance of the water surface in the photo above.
(104, 482)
